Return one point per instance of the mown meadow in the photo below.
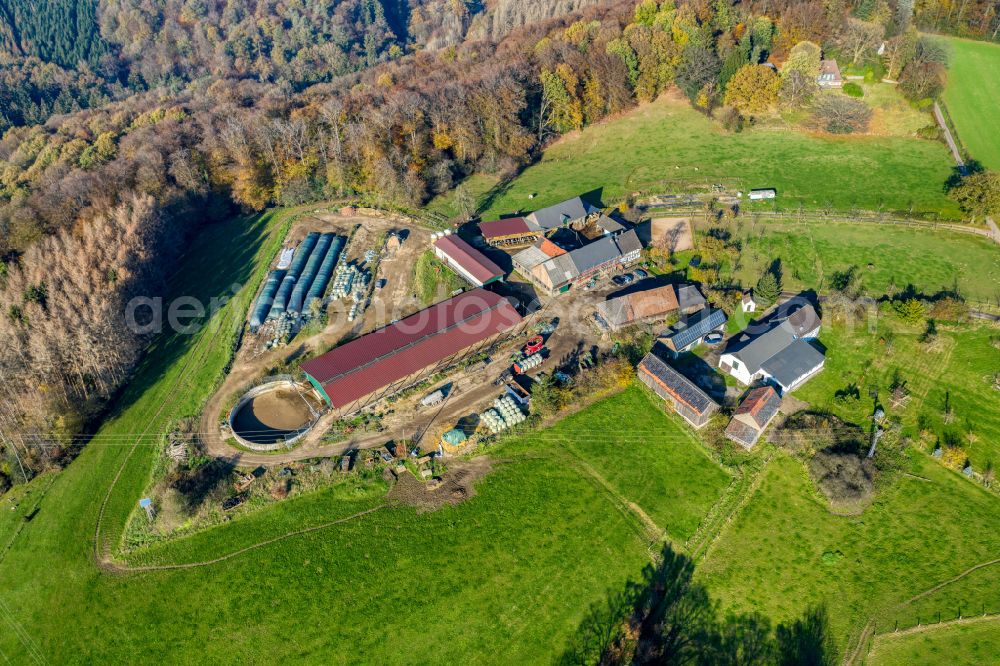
(971, 96)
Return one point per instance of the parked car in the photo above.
(381, 283)
(640, 274)
(713, 338)
(619, 280)
(627, 279)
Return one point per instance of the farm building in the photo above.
(689, 299)
(781, 354)
(563, 214)
(693, 404)
(689, 332)
(605, 255)
(829, 75)
(609, 226)
(753, 416)
(508, 232)
(638, 306)
(392, 358)
(467, 261)
(540, 252)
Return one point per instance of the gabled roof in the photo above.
(829, 68)
(549, 248)
(598, 253)
(793, 362)
(560, 270)
(760, 406)
(628, 242)
(383, 357)
(638, 305)
(698, 325)
(561, 213)
(509, 226)
(677, 385)
(782, 332)
(609, 225)
(532, 256)
(474, 262)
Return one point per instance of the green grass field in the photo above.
(975, 644)
(960, 364)
(666, 146)
(931, 260)
(505, 576)
(655, 461)
(432, 280)
(972, 97)
(786, 550)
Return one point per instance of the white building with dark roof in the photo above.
(782, 354)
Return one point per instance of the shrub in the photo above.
(841, 115)
(932, 132)
(853, 89)
(843, 474)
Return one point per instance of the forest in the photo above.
(273, 109)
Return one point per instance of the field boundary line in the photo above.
(869, 629)
(653, 531)
(117, 568)
(921, 628)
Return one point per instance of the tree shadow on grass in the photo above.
(667, 618)
(223, 256)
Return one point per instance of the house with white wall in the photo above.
(780, 351)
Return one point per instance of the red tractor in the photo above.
(534, 345)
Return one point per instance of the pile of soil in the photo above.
(457, 485)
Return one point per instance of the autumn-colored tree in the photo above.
(805, 58)
(753, 89)
(978, 194)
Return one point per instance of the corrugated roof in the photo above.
(742, 433)
(550, 248)
(679, 386)
(385, 356)
(561, 213)
(509, 226)
(477, 264)
(698, 325)
(638, 305)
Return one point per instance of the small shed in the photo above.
(747, 303)
(689, 401)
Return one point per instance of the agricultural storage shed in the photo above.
(508, 232)
(638, 306)
(390, 359)
(466, 260)
(688, 400)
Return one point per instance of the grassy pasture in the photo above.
(974, 644)
(960, 365)
(666, 146)
(931, 260)
(972, 97)
(507, 575)
(786, 550)
(648, 457)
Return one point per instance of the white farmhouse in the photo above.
(782, 354)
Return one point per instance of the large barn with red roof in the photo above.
(392, 358)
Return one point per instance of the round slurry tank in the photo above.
(274, 415)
